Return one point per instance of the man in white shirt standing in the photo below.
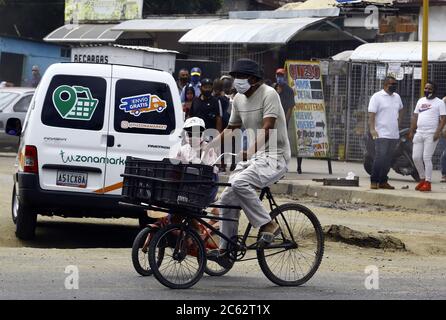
(428, 120)
(385, 111)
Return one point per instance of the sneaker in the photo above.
(420, 184)
(374, 185)
(386, 185)
(268, 232)
(425, 187)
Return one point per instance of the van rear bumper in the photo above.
(70, 204)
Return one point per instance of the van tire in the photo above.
(25, 223)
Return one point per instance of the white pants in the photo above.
(259, 172)
(423, 149)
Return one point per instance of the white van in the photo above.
(82, 123)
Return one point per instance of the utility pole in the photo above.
(425, 43)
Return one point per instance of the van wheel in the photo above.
(26, 221)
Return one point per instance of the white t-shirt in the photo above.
(386, 107)
(429, 112)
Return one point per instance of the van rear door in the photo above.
(72, 152)
(145, 117)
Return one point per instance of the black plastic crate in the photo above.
(173, 193)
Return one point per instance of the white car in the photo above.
(14, 103)
(82, 123)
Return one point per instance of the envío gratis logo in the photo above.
(143, 103)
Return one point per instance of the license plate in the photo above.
(72, 179)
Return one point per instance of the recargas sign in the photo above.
(90, 58)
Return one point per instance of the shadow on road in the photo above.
(70, 235)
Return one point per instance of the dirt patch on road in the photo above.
(363, 239)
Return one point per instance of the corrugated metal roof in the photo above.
(84, 33)
(271, 31)
(162, 24)
(398, 51)
(145, 48)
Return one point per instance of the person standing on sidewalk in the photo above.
(443, 156)
(385, 112)
(428, 120)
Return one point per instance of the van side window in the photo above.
(76, 102)
(143, 107)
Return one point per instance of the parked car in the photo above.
(84, 120)
(14, 103)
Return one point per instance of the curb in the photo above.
(8, 154)
(296, 191)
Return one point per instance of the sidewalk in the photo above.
(298, 185)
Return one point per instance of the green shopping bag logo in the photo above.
(74, 103)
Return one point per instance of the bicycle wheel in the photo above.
(140, 249)
(184, 256)
(296, 253)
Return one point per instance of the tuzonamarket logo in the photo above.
(90, 159)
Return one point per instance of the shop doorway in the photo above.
(11, 67)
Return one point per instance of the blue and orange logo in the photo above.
(143, 103)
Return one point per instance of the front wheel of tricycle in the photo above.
(296, 253)
(184, 258)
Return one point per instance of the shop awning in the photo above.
(162, 25)
(255, 31)
(84, 33)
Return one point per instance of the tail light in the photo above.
(30, 163)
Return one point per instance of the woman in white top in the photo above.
(428, 120)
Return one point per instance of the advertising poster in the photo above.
(79, 11)
(310, 121)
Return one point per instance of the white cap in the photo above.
(194, 122)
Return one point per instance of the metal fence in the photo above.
(226, 54)
(348, 88)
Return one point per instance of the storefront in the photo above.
(18, 56)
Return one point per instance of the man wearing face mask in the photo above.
(183, 79)
(286, 94)
(207, 107)
(257, 108)
(195, 83)
(385, 112)
(428, 120)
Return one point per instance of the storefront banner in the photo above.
(309, 112)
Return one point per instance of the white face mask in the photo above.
(242, 85)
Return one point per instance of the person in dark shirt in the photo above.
(219, 93)
(286, 94)
(207, 107)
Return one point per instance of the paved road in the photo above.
(107, 274)
(100, 251)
